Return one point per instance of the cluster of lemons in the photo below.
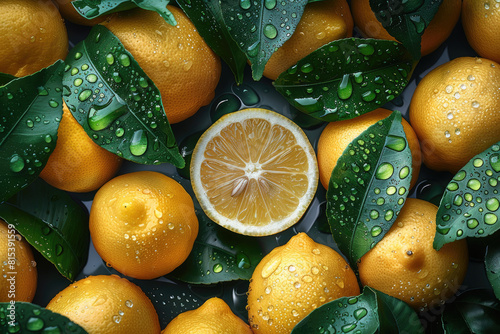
(144, 224)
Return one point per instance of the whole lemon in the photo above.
(18, 279)
(213, 317)
(78, 164)
(321, 23)
(177, 59)
(455, 112)
(107, 304)
(405, 265)
(438, 30)
(336, 136)
(143, 224)
(481, 20)
(32, 36)
(294, 279)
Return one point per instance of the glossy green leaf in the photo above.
(53, 224)
(219, 255)
(370, 312)
(368, 187)
(31, 108)
(206, 15)
(6, 78)
(346, 78)
(492, 266)
(117, 104)
(470, 205)
(406, 20)
(474, 311)
(93, 8)
(22, 317)
(262, 26)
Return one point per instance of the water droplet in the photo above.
(16, 163)
(117, 319)
(110, 59)
(452, 186)
(138, 143)
(91, 78)
(270, 4)
(345, 88)
(59, 249)
(307, 278)
(490, 218)
(384, 171)
(243, 261)
(119, 132)
(124, 59)
(348, 328)
(360, 313)
(84, 95)
(474, 184)
(472, 223)
(217, 268)
(395, 143)
(30, 123)
(34, 324)
(388, 215)
(374, 214)
(306, 68)
(253, 49)
(101, 117)
(247, 94)
(366, 49)
(495, 162)
(492, 204)
(376, 230)
(53, 104)
(449, 89)
(245, 4)
(116, 77)
(270, 267)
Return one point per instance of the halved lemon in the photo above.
(254, 172)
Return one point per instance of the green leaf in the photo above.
(260, 27)
(93, 8)
(117, 104)
(470, 205)
(406, 20)
(53, 224)
(219, 255)
(474, 311)
(31, 110)
(492, 265)
(346, 78)
(6, 78)
(206, 15)
(22, 317)
(368, 187)
(370, 312)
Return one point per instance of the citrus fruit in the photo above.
(336, 136)
(213, 317)
(454, 111)
(321, 23)
(405, 265)
(143, 224)
(254, 172)
(294, 279)
(177, 59)
(438, 30)
(78, 164)
(18, 268)
(107, 304)
(481, 20)
(32, 36)
(69, 13)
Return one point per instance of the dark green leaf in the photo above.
(93, 8)
(117, 104)
(6, 78)
(395, 316)
(219, 255)
(31, 109)
(406, 20)
(470, 205)
(492, 265)
(262, 26)
(346, 78)
(186, 148)
(368, 187)
(23, 317)
(370, 312)
(53, 224)
(474, 311)
(206, 15)
(343, 315)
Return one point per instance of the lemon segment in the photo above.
(254, 172)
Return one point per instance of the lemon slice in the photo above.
(254, 172)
